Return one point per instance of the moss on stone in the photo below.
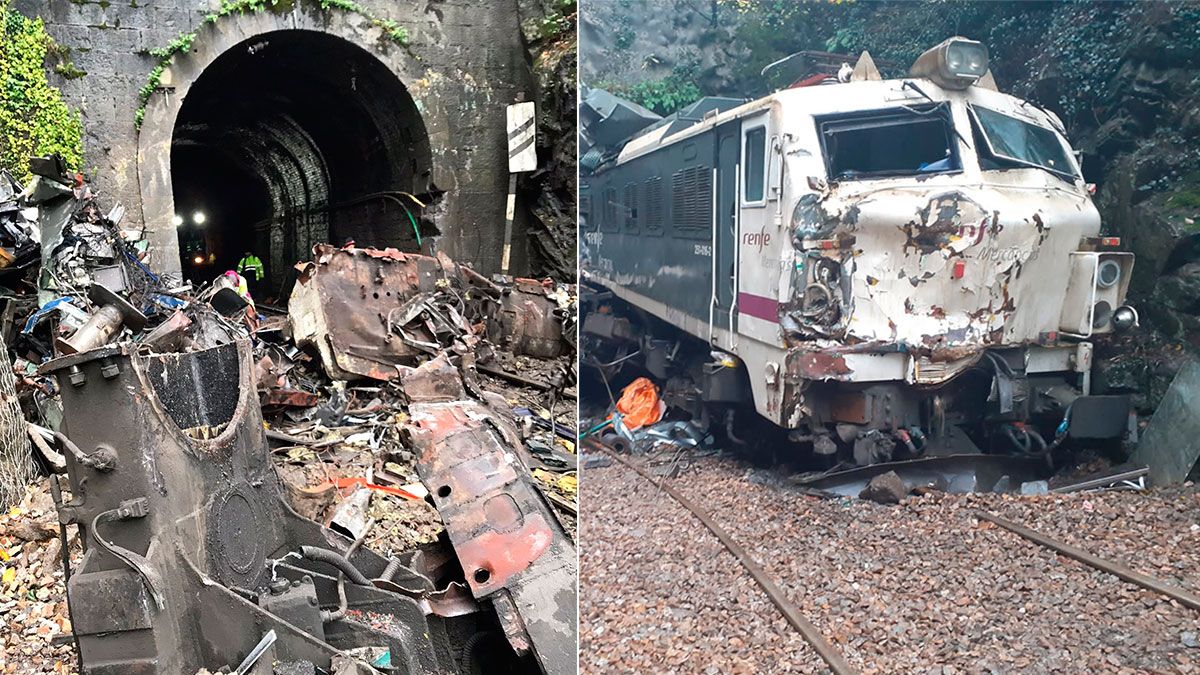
(392, 31)
(1186, 194)
(34, 120)
(69, 70)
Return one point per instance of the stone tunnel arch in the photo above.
(282, 133)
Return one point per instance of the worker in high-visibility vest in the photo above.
(239, 284)
(251, 268)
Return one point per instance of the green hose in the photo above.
(416, 230)
(594, 429)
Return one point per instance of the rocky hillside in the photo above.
(1123, 76)
(549, 30)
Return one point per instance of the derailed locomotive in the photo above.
(881, 267)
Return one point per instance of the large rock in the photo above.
(886, 488)
(1180, 290)
(1172, 308)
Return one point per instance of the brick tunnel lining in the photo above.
(291, 139)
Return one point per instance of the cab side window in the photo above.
(754, 165)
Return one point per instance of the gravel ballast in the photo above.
(923, 586)
(659, 594)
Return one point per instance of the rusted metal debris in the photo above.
(357, 308)
(533, 323)
(368, 311)
(195, 547)
(290, 398)
(511, 547)
(189, 535)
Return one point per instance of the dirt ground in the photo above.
(33, 606)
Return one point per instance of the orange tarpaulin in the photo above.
(639, 404)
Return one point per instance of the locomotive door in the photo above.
(728, 142)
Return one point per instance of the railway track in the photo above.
(824, 647)
(828, 653)
(1119, 570)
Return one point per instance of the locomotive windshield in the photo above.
(1014, 141)
(895, 142)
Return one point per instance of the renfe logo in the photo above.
(973, 233)
(759, 239)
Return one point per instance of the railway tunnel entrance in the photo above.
(293, 138)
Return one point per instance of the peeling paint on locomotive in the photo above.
(954, 270)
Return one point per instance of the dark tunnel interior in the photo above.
(292, 139)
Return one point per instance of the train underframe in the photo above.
(992, 406)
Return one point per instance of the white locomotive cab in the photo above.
(905, 250)
(985, 248)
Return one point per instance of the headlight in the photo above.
(1102, 314)
(954, 64)
(966, 59)
(1108, 274)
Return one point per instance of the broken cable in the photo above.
(103, 459)
(416, 230)
(128, 510)
(335, 559)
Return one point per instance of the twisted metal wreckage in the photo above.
(193, 556)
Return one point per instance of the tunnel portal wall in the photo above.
(463, 62)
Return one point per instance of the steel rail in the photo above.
(828, 653)
(1116, 569)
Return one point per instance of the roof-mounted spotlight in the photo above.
(956, 63)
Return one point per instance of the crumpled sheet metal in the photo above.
(212, 516)
(341, 304)
(944, 269)
(56, 202)
(511, 547)
(367, 311)
(532, 321)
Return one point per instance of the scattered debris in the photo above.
(1035, 487)
(1133, 479)
(37, 624)
(229, 427)
(512, 549)
(367, 311)
(594, 461)
(965, 473)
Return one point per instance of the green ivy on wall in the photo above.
(392, 30)
(34, 120)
